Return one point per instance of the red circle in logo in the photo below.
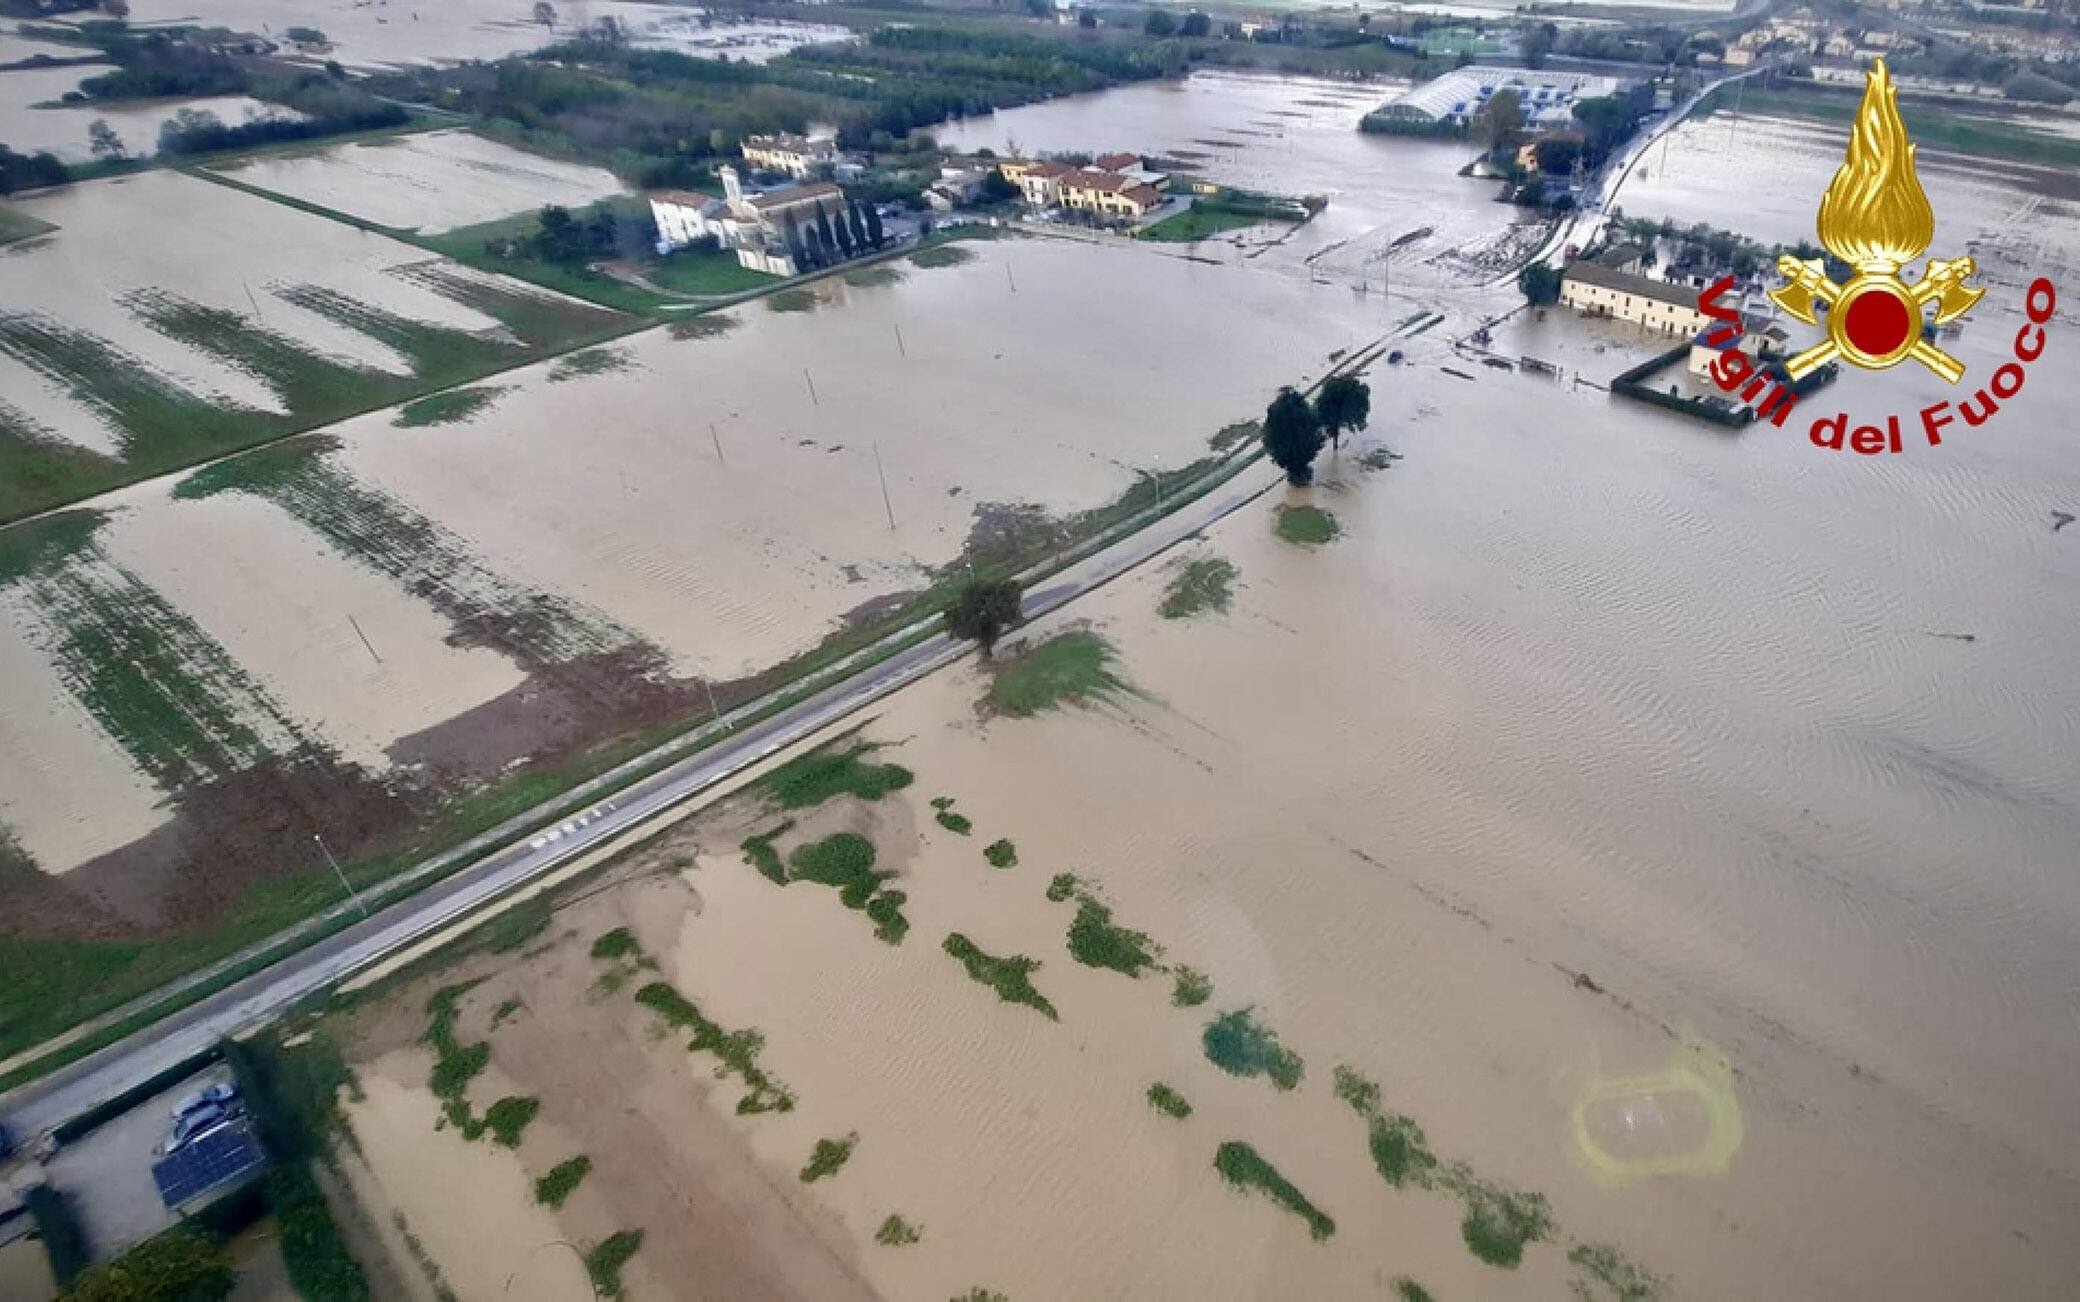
(1879, 323)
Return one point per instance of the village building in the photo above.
(1545, 98)
(1760, 341)
(1661, 306)
(1108, 194)
(797, 156)
(753, 225)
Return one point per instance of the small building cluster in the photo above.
(769, 232)
(1114, 188)
(1622, 293)
(797, 156)
(1545, 98)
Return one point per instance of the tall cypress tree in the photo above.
(859, 227)
(823, 228)
(844, 233)
(875, 234)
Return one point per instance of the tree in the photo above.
(1086, 18)
(1540, 283)
(825, 236)
(116, 9)
(545, 13)
(819, 254)
(861, 237)
(1195, 24)
(179, 1264)
(1557, 155)
(1292, 437)
(1538, 43)
(843, 230)
(1344, 402)
(791, 233)
(995, 189)
(1500, 121)
(103, 140)
(982, 610)
(875, 234)
(1160, 23)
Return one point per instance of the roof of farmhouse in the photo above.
(1462, 90)
(683, 198)
(1667, 291)
(788, 198)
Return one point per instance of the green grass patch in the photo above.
(1400, 1151)
(1010, 977)
(736, 1052)
(555, 1188)
(895, 1232)
(615, 944)
(1168, 1101)
(707, 274)
(1001, 853)
(874, 277)
(941, 255)
(1242, 1166)
(1409, 1291)
(590, 361)
(844, 861)
(1061, 887)
(18, 225)
(452, 407)
(1197, 223)
(608, 1258)
(1200, 585)
(793, 300)
(456, 1064)
(1072, 668)
(829, 1157)
(1306, 526)
(1230, 436)
(708, 325)
(507, 1118)
(1096, 941)
(1499, 1222)
(1363, 1095)
(1189, 987)
(1603, 1274)
(809, 780)
(760, 854)
(1239, 1045)
(506, 1011)
(943, 811)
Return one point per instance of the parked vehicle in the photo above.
(185, 1131)
(220, 1094)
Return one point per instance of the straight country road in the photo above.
(36, 1107)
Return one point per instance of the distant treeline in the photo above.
(30, 171)
(656, 117)
(199, 132)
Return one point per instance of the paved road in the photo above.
(39, 1105)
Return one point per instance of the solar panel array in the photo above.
(224, 1156)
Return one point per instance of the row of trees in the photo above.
(825, 241)
(30, 171)
(1295, 430)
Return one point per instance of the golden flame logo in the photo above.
(1876, 218)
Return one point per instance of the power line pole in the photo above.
(713, 434)
(341, 873)
(886, 504)
(814, 400)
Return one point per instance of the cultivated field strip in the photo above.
(163, 689)
(375, 529)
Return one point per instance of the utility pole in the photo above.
(900, 350)
(713, 708)
(812, 387)
(352, 894)
(718, 441)
(886, 504)
(1009, 279)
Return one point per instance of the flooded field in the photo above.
(63, 130)
(1398, 210)
(383, 34)
(1670, 825)
(429, 182)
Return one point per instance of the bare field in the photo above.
(429, 181)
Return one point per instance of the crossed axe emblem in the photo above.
(1942, 283)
